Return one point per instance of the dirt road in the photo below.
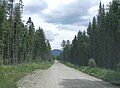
(61, 76)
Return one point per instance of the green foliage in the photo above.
(20, 43)
(1, 62)
(69, 64)
(92, 63)
(101, 41)
(63, 44)
(111, 76)
(118, 67)
(9, 75)
(107, 75)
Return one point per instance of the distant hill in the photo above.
(56, 52)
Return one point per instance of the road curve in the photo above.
(61, 76)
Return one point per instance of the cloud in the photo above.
(63, 34)
(73, 28)
(61, 19)
(71, 13)
(34, 6)
(50, 35)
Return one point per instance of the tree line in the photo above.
(20, 42)
(101, 40)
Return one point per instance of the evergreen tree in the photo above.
(18, 42)
(102, 42)
(3, 26)
(48, 51)
(31, 38)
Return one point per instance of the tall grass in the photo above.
(10, 74)
(111, 76)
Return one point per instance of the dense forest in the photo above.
(20, 42)
(100, 42)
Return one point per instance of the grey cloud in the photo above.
(72, 13)
(50, 35)
(35, 7)
(71, 27)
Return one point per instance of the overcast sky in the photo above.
(61, 19)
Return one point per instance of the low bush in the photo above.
(10, 74)
(92, 63)
(118, 67)
(111, 76)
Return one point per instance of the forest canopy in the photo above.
(100, 42)
(20, 42)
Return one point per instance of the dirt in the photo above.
(61, 76)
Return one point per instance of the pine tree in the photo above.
(31, 40)
(18, 42)
(102, 42)
(48, 51)
(74, 50)
(3, 26)
(18, 30)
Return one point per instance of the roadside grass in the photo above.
(10, 74)
(111, 76)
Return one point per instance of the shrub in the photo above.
(92, 63)
(1, 62)
(118, 67)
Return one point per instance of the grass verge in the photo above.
(10, 74)
(107, 75)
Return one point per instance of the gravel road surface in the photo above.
(61, 76)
